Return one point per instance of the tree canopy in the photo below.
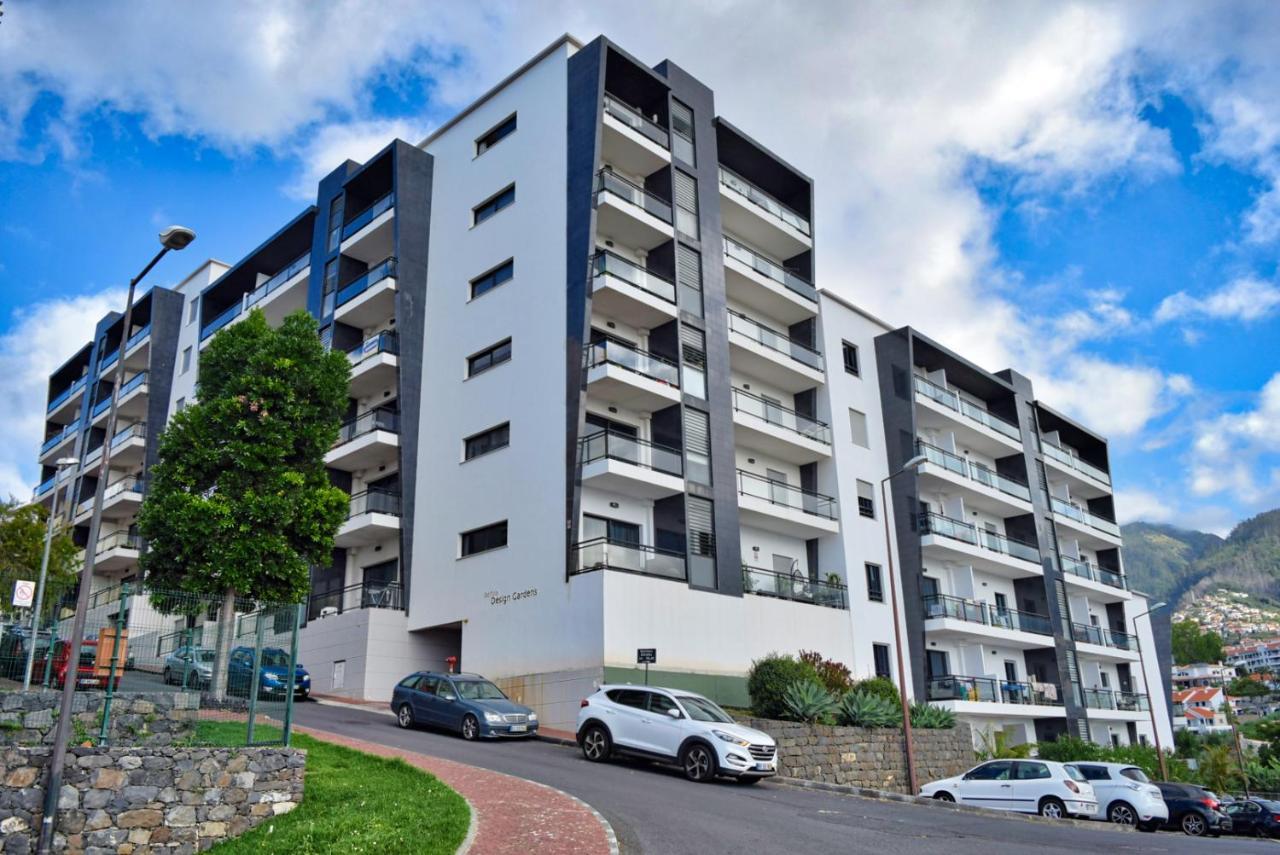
(22, 530)
(1191, 644)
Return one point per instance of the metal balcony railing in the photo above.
(633, 118)
(137, 338)
(368, 422)
(966, 468)
(943, 606)
(953, 401)
(931, 523)
(377, 500)
(225, 317)
(799, 588)
(65, 395)
(1085, 570)
(133, 383)
(953, 687)
(616, 185)
(613, 351)
(1108, 699)
(776, 414)
(119, 540)
(607, 263)
(58, 438)
(740, 252)
(366, 595)
(137, 430)
(785, 495)
(774, 340)
(1067, 458)
(603, 553)
(611, 445)
(385, 269)
(1090, 518)
(257, 295)
(1103, 636)
(765, 201)
(368, 215)
(383, 342)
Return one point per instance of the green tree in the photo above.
(22, 530)
(1191, 645)
(239, 504)
(1243, 687)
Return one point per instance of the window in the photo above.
(661, 704)
(682, 133)
(880, 654)
(686, 193)
(700, 523)
(484, 539)
(493, 205)
(858, 427)
(689, 278)
(193, 310)
(866, 500)
(997, 771)
(486, 441)
(329, 287)
(1094, 773)
(629, 697)
(693, 372)
(850, 352)
(486, 359)
(497, 134)
(180, 406)
(697, 446)
(410, 682)
(337, 207)
(1028, 771)
(186, 360)
(497, 276)
(875, 583)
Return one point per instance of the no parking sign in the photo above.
(24, 593)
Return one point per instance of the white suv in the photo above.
(1030, 786)
(673, 726)
(1125, 795)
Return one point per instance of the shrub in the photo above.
(881, 686)
(770, 678)
(866, 709)
(1068, 749)
(930, 717)
(834, 675)
(996, 746)
(809, 702)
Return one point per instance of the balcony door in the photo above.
(615, 531)
(777, 487)
(939, 664)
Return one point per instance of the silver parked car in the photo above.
(189, 666)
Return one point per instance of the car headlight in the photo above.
(492, 717)
(729, 737)
(271, 678)
(533, 716)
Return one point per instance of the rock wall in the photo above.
(138, 801)
(866, 757)
(152, 718)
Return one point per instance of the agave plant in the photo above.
(930, 717)
(807, 701)
(864, 709)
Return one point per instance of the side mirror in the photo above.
(448, 696)
(674, 713)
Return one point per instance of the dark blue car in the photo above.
(272, 676)
(466, 703)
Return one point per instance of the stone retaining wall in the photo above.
(151, 718)
(866, 757)
(138, 801)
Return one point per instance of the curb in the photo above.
(472, 827)
(903, 798)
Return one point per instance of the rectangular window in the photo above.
(329, 287)
(186, 360)
(697, 446)
(488, 281)
(489, 357)
(850, 352)
(497, 134)
(689, 277)
(337, 207)
(875, 583)
(486, 441)
(193, 310)
(700, 522)
(693, 373)
(686, 194)
(866, 499)
(484, 539)
(880, 653)
(858, 428)
(682, 133)
(180, 405)
(493, 205)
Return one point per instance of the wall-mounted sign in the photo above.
(497, 599)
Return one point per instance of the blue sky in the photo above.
(1085, 192)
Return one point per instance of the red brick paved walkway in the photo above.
(512, 816)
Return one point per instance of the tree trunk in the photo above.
(222, 651)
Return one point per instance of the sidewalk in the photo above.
(509, 815)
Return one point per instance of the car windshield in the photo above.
(1133, 773)
(478, 690)
(701, 709)
(1074, 773)
(275, 657)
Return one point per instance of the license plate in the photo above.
(762, 767)
(519, 728)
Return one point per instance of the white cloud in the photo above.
(1238, 453)
(1134, 505)
(1244, 299)
(330, 146)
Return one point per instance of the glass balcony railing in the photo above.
(1085, 570)
(780, 416)
(769, 269)
(385, 269)
(931, 523)
(257, 295)
(1107, 699)
(65, 395)
(1080, 515)
(774, 340)
(59, 437)
(368, 215)
(633, 118)
(801, 589)
(376, 500)
(990, 690)
(45, 486)
(952, 401)
(133, 431)
(604, 553)
(366, 595)
(785, 495)
(137, 338)
(616, 185)
(119, 540)
(368, 422)
(1069, 459)
(383, 342)
(1103, 636)
(753, 194)
(943, 606)
(224, 318)
(611, 445)
(107, 362)
(966, 468)
(610, 264)
(614, 351)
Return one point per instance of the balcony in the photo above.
(137, 350)
(631, 141)
(369, 235)
(603, 553)
(370, 299)
(630, 214)
(120, 501)
(117, 552)
(61, 443)
(284, 292)
(785, 509)
(955, 540)
(374, 364)
(1093, 525)
(374, 516)
(773, 429)
(366, 595)
(128, 448)
(1071, 464)
(765, 285)
(760, 218)
(991, 696)
(371, 438)
(1105, 701)
(622, 374)
(772, 356)
(617, 463)
(979, 422)
(223, 319)
(623, 289)
(947, 616)
(988, 489)
(1111, 643)
(131, 402)
(800, 589)
(65, 404)
(1074, 569)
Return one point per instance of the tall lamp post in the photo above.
(175, 238)
(910, 465)
(62, 465)
(1146, 686)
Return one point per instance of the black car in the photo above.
(1259, 817)
(1193, 810)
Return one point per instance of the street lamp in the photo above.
(62, 464)
(175, 238)
(1142, 663)
(909, 466)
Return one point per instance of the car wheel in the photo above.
(1053, 808)
(1194, 825)
(699, 763)
(596, 745)
(1121, 813)
(470, 728)
(944, 796)
(168, 677)
(404, 716)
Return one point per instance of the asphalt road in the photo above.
(656, 811)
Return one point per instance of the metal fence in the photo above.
(235, 676)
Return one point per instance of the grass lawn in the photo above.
(353, 803)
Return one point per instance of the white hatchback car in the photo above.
(1028, 786)
(1125, 795)
(673, 726)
